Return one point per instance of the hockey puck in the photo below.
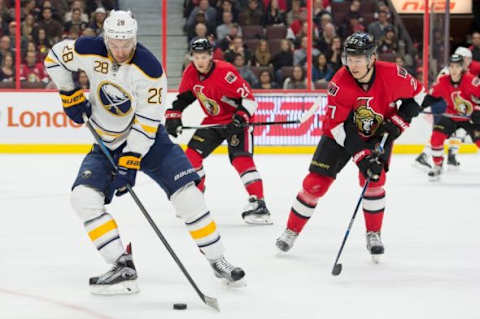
(179, 306)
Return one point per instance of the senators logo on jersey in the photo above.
(462, 106)
(210, 105)
(365, 118)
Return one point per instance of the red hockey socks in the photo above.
(314, 187)
(197, 162)
(250, 177)
(437, 140)
(374, 207)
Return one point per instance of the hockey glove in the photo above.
(409, 109)
(369, 164)
(173, 122)
(439, 106)
(128, 165)
(75, 104)
(239, 122)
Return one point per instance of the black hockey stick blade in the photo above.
(212, 302)
(337, 269)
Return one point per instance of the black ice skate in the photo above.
(120, 280)
(422, 161)
(256, 212)
(434, 173)
(452, 159)
(286, 240)
(224, 270)
(375, 245)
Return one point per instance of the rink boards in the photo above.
(33, 122)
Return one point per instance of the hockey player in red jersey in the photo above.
(361, 107)
(226, 98)
(460, 90)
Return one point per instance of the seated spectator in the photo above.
(5, 44)
(209, 12)
(304, 32)
(224, 29)
(88, 32)
(265, 81)
(325, 19)
(200, 31)
(400, 60)
(32, 47)
(226, 6)
(262, 56)
(475, 46)
(235, 31)
(244, 70)
(74, 32)
(282, 58)
(7, 70)
(351, 25)
(354, 8)
(299, 55)
(81, 80)
(53, 28)
(326, 37)
(28, 26)
(334, 54)
(295, 12)
(274, 15)
(377, 28)
(322, 72)
(295, 28)
(77, 4)
(32, 71)
(389, 43)
(297, 80)
(97, 20)
(76, 20)
(281, 4)
(318, 11)
(237, 47)
(42, 42)
(253, 15)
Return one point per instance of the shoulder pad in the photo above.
(91, 45)
(147, 62)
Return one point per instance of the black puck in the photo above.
(179, 306)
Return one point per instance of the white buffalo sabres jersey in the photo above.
(127, 99)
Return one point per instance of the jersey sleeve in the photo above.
(406, 86)
(185, 95)
(238, 92)
(60, 62)
(150, 96)
(475, 90)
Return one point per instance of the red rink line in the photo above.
(56, 303)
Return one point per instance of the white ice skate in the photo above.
(434, 173)
(120, 280)
(452, 162)
(422, 161)
(286, 240)
(375, 246)
(256, 212)
(233, 276)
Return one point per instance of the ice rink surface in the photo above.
(431, 266)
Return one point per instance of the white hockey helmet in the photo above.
(463, 51)
(120, 25)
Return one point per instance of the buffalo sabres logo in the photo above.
(210, 105)
(365, 118)
(462, 106)
(114, 98)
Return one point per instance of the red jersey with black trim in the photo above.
(474, 68)
(220, 92)
(372, 106)
(461, 98)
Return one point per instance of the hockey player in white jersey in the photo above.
(127, 95)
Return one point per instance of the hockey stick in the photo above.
(337, 267)
(305, 116)
(210, 301)
(453, 116)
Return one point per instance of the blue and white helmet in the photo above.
(120, 25)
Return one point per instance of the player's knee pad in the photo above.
(316, 185)
(87, 202)
(194, 157)
(188, 202)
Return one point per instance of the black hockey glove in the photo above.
(173, 122)
(369, 164)
(409, 109)
(128, 165)
(239, 122)
(75, 104)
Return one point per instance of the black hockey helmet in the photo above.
(201, 45)
(455, 58)
(359, 43)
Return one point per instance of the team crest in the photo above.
(230, 77)
(114, 98)
(210, 105)
(332, 89)
(462, 106)
(365, 118)
(234, 141)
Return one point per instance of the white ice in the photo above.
(431, 268)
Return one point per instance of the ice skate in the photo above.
(231, 274)
(421, 161)
(120, 280)
(286, 240)
(452, 161)
(256, 212)
(434, 173)
(375, 245)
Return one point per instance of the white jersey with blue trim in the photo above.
(127, 100)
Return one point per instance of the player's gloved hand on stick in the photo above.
(439, 107)
(369, 164)
(173, 122)
(128, 165)
(239, 122)
(75, 104)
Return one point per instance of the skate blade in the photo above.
(376, 259)
(453, 168)
(421, 166)
(128, 287)
(235, 284)
(258, 220)
(434, 179)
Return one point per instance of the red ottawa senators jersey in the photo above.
(220, 92)
(462, 98)
(390, 84)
